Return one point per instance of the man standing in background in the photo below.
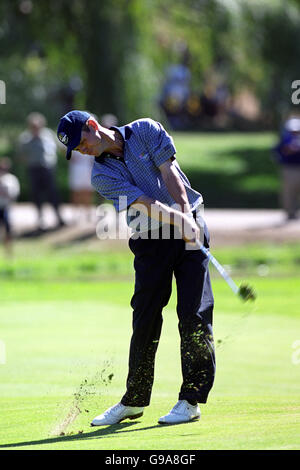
(38, 148)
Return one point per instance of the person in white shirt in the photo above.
(80, 170)
(9, 191)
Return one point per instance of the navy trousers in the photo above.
(43, 187)
(4, 219)
(155, 262)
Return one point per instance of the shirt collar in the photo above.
(125, 132)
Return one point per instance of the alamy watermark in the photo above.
(147, 222)
(2, 92)
(295, 94)
(2, 353)
(296, 353)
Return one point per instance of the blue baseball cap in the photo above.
(69, 129)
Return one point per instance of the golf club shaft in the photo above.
(220, 268)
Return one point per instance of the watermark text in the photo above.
(2, 92)
(2, 353)
(296, 353)
(154, 221)
(296, 94)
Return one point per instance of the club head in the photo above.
(246, 293)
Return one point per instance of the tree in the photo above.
(101, 43)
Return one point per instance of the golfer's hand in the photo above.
(190, 229)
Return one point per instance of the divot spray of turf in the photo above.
(87, 388)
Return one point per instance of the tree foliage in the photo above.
(114, 53)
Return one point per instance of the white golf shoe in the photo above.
(117, 413)
(182, 412)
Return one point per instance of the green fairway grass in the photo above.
(77, 262)
(67, 348)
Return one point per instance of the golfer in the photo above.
(136, 168)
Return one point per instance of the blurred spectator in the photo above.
(188, 108)
(38, 148)
(175, 94)
(9, 191)
(176, 89)
(209, 101)
(288, 154)
(67, 93)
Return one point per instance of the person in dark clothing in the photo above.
(288, 156)
(38, 148)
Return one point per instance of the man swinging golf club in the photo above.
(136, 163)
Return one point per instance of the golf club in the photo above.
(245, 292)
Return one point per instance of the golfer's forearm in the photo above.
(158, 211)
(177, 190)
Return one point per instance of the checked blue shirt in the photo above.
(146, 146)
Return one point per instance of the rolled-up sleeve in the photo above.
(159, 142)
(121, 192)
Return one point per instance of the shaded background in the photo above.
(236, 60)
